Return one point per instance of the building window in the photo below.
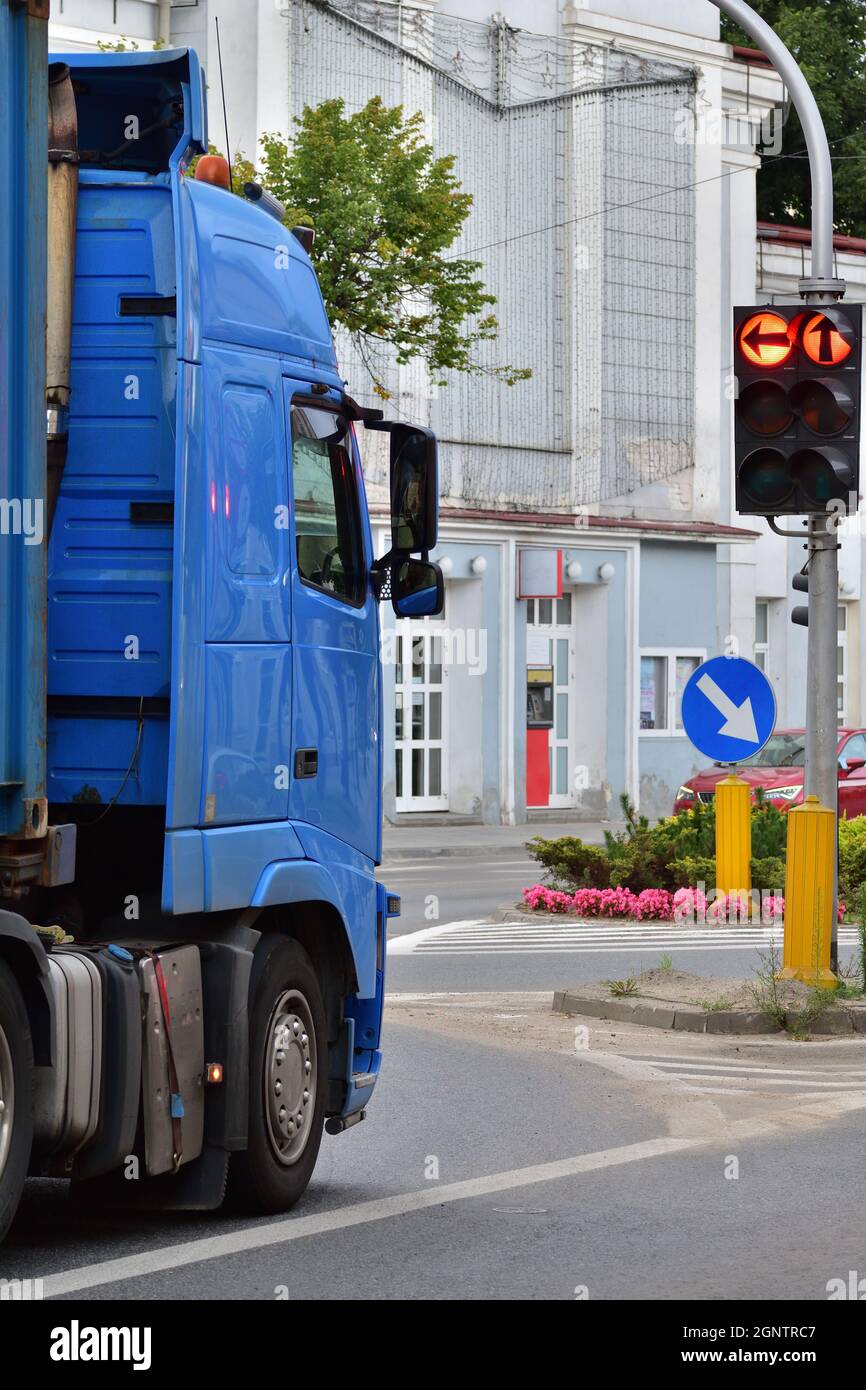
(762, 635)
(664, 674)
(842, 666)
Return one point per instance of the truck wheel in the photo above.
(16, 1096)
(288, 1080)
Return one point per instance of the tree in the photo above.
(386, 210)
(828, 39)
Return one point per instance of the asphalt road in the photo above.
(448, 888)
(502, 1160)
(502, 1169)
(439, 891)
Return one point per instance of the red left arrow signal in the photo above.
(765, 341)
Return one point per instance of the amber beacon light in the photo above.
(797, 414)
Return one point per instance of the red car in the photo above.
(779, 768)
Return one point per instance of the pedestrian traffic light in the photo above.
(797, 433)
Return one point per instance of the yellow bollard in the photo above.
(734, 839)
(809, 894)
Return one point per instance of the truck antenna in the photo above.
(225, 112)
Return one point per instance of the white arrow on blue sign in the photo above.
(729, 709)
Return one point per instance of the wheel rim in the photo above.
(7, 1100)
(290, 1076)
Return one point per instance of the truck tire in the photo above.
(288, 1080)
(16, 1097)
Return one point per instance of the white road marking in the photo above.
(744, 1079)
(474, 937)
(756, 1068)
(291, 1228)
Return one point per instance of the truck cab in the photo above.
(194, 843)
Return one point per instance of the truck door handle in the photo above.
(306, 762)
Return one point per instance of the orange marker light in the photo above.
(212, 168)
(764, 340)
(214, 1073)
(825, 342)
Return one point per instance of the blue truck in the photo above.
(192, 937)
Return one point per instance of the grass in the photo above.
(621, 989)
(666, 964)
(765, 990)
(717, 1007)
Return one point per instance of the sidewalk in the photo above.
(471, 841)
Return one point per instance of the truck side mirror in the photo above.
(414, 489)
(417, 588)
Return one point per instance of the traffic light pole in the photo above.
(822, 776)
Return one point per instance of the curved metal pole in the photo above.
(813, 129)
(822, 733)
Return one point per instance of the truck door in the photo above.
(336, 734)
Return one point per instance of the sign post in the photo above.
(729, 712)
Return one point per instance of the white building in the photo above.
(611, 153)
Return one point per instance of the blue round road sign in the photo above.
(729, 709)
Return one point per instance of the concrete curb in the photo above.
(683, 1018)
(570, 919)
(470, 851)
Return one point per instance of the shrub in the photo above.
(694, 871)
(769, 830)
(768, 874)
(569, 860)
(852, 856)
(539, 899)
(681, 850)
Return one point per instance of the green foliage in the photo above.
(386, 210)
(689, 872)
(570, 861)
(621, 989)
(829, 42)
(121, 45)
(766, 989)
(642, 856)
(689, 835)
(635, 855)
(769, 830)
(768, 874)
(680, 852)
(852, 857)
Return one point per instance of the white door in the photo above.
(421, 718)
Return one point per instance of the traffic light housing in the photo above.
(800, 615)
(797, 432)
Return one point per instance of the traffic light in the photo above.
(797, 434)
(800, 616)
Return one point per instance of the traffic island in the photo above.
(675, 999)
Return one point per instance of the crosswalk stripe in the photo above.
(728, 1078)
(789, 1095)
(473, 938)
(734, 1068)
